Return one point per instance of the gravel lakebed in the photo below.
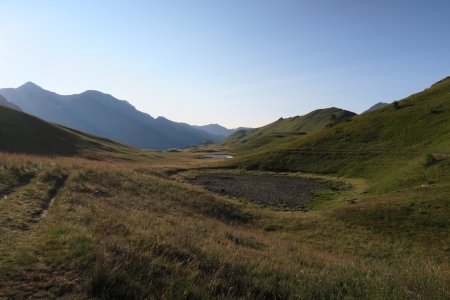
(266, 190)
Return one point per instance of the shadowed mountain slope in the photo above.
(23, 133)
(216, 130)
(219, 131)
(4, 102)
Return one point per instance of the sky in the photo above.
(232, 62)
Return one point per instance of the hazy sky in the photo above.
(233, 62)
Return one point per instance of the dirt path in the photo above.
(278, 191)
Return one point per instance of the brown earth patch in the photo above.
(267, 190)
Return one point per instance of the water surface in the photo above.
(218, 156)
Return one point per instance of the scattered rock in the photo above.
(119, 229)
(352, 201)
(283, 192)
(98, 193)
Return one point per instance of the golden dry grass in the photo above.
(130, 230)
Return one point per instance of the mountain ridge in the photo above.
(376, 106)
(5, 102)
(102, 114)
(219, 130)
(288, 128)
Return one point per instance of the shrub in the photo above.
(396, 105)
(430, 160)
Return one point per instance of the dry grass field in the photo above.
(78, 228)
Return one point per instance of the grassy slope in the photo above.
(389, 145)
(23, 133)
(286, 129)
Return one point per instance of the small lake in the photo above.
(218, 156)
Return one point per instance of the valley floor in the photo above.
(76, 228)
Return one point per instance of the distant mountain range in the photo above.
(6, 103)
(220, 131)
(103, 115)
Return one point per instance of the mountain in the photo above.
(219, 131)
(216, 129)
(4, 102)
(103, 115)
(289, 128)
(376, 107)
(408, 141)
(23, 133)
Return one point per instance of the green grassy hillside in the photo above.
(407, 142)
(287, 129)
(23, 133)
